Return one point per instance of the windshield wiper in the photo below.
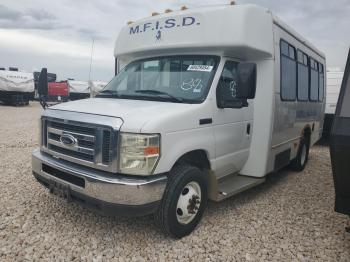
(108, 93)
(156, 92)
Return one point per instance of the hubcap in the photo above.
(303, 155)
(188, 203)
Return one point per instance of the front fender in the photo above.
(176, 144)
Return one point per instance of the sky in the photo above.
(58, 34)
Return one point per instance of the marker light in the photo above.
(155, 13)
(232, 2)
(183, 8)
(130, 22)
(168, 11)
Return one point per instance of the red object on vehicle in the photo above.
(58, 89)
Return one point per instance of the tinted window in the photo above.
(303, 77)
(288, 72)
(291, 52)
(284, 48)
(321, 83)
(314, 78)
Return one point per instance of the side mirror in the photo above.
(246, 84)
(42, 83)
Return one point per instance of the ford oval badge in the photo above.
(68, 140)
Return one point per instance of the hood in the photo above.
(134, 113)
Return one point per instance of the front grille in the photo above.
(106, 147)
(92, 145)
(72, 128)
(78, 155)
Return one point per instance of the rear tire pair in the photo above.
(300, 161)
(184, 201)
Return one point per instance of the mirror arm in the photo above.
(43, 103)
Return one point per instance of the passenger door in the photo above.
(232, 126)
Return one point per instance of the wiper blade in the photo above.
(109, 93)
(159, 93)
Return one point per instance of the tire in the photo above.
(184, 184)
(299, 163)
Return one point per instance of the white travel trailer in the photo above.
(78, 89)
(334, 79)
(97, 86)
(209, 101)
(83, 89)
(16, 87)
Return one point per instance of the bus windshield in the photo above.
(184, 79)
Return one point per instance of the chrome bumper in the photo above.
(100, 185)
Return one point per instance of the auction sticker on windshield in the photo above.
(202, 68)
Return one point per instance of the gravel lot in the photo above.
(290, 217)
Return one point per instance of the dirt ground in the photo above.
(288, 218)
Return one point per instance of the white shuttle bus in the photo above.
(207, 103)
(16, 87)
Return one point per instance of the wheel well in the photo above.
(197, 158)
(307, 132)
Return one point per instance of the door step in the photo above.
(233, 184)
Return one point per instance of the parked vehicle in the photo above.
(195, 113)
(97, 87)
(16, 87)
(51, 77)
(340, 146)
(334, 79)
(78, 89)
(58, 91)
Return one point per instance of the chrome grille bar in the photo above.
(80, 136)
(80, 149)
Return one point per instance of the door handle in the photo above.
(248, 129)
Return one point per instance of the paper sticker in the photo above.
(202, 68)
(195, 84)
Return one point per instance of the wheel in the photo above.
(299, 163)
(184, 201)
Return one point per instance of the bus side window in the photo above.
(303, 77)
(321, 82)
(314, 86)
(288, 72)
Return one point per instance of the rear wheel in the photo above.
(299, 163)
(184, 201)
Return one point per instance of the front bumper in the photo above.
(104, 192)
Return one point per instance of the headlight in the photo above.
(138, 153)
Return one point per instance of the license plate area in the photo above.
(60, 190)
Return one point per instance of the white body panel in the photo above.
(245, 40)
(14, 81)
(334, 79)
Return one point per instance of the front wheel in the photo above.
(184, 201)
